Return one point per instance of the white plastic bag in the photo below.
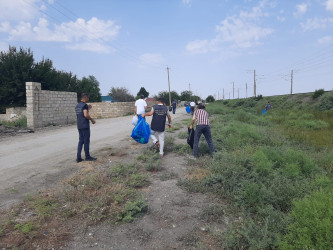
(134, 120)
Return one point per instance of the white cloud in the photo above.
(317, 23)
(329, 5)
(78, 33)
(90, 46)
(187, 2)
(151, 58)
(18, 10)
(301, 9)
(237, 32)
(326, 40)
(241, 33)
(4, 27)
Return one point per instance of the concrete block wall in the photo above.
(46, 107)
(114, 109)
(10, 112)
(110, 110)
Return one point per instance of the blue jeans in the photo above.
(202, 129)
(174, 109)
(84, 139)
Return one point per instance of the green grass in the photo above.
(20, 122)
(90, 196)
(267, 167)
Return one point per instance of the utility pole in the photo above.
(291, 86)
(169, 87)
(223, 93)
(246, 90)
(218, 95)
(238, 93)
(233, 90)
(229, 95)
(255, 84)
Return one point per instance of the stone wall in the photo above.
(109, 110)
(49, 107)
(13, 114)
(114, 109)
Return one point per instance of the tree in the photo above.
(15, 69)
(210, 98)
(121, 94)
(143, 92)
(90, 85)
(18, 67)
(186, 95)
(165, 96)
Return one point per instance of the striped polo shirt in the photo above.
(202, 117)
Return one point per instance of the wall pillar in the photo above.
(33, 93)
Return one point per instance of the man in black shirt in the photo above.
(159, 113)
(83, 126)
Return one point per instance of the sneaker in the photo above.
(157, 144)
(91, 159)
(191, 157)
(79, 160)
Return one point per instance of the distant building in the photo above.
(150, 99)
(107, 99)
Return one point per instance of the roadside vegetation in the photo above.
(275, 171)
(20, 122)
(108, 194)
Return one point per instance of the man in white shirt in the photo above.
(140, 106)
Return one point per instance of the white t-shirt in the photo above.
(140, 106)
(192, 104)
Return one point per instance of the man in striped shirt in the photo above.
(203, 127)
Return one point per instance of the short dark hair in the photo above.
(162, 100)
(142, 96)
(201, 106)
(83, 95)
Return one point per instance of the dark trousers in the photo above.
(202, 129)
(174, 109)
(84, 139)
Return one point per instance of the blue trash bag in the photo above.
(188, 109)
(141, 131)
(264, 111)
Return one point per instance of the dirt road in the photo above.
(36, 161)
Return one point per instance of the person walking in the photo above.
(203, 127)
(83, 126)
(140, 106)
(159, 113)
(192, 105)
(174, 106)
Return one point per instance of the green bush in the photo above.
(312, 226)
(20, 122)
(132, 210)
(318, 93)
(325, 102)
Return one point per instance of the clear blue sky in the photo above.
(207, 44)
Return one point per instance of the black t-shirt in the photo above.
(82, 122)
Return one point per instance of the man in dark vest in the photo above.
(159, 113)
(83, 126)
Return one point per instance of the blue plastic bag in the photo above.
(264, 111)
(141, 131)
(188, 109)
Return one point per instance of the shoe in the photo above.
(157, 144)
(161, 156)
(91, 159)
(79, 160)
(191, 157)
